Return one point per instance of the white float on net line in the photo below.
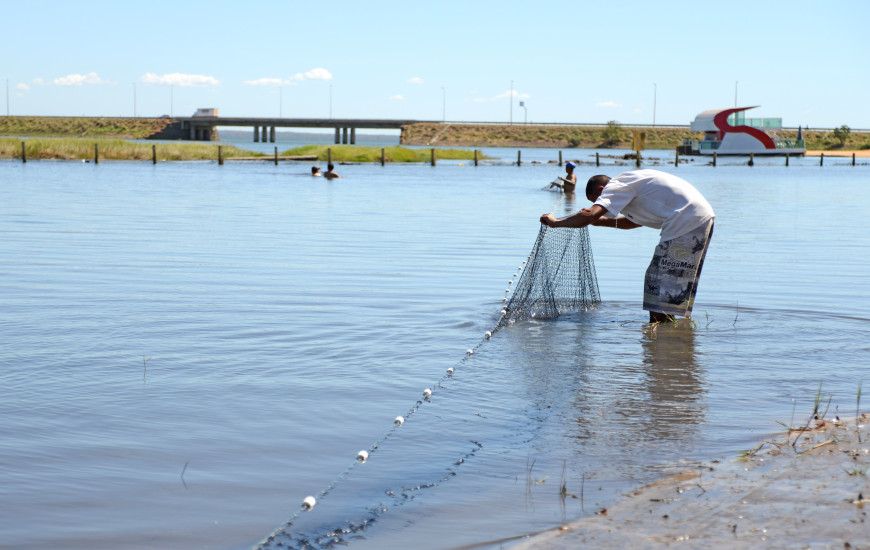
(427, 393)
(450, 371)
(308, 503)
(362, 456)
(399, 421)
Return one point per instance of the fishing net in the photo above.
(558, 277)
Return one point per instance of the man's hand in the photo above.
(549, 220)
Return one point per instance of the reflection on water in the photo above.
(673, 379)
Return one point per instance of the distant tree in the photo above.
(841, 134)
(613, 135)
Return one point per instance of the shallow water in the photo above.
(189, 350)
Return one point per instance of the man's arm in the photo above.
(617, 223)
(585, 217)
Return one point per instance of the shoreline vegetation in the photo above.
(73, 138)
(47, 148)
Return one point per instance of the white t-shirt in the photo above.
(658, 200)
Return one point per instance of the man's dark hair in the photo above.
(594, 183)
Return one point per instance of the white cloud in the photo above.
(502, 96)
(91, 79)
(608, 104)
(416, 80)
(314, 74)
(397, 96)
(274, 82)
(180, 79)
(22, 86)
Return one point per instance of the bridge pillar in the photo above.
(353, 136)
(264, 134)
(344, 135)
(272, 134)
(337, 135)
(256, 134)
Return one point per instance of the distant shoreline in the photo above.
(612, 135)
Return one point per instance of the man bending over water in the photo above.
(662, 201)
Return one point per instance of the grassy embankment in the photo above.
(38, 126)
(589, 137)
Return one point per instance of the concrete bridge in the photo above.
(204, 128)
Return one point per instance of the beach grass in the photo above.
(114, 149)
(357, 153)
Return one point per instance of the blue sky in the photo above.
(567, 61)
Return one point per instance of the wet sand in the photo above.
(863, 153)
(815, 494)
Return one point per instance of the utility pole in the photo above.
(512, 102)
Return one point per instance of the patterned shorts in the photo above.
(672, 276)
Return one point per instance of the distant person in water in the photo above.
(662, 201)
(315, 171)
(330, 172)
(569, 182)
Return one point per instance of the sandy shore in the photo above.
(815, 494)
(864, 153)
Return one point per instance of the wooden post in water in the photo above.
(276, 156)
(433, 156)
(714, 158)
(519, 158)
(220, 155)
(23, 153)
(751, 159)
(560, 158)
(637, 158)
(383, 157)
(475, 157)
(853, 159)
(596, 159)
(786, 159)
(96, 153)
(677, 157)
(821, 159)
(154, 154)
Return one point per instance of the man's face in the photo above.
(594, 197)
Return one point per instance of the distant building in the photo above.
(209, 112)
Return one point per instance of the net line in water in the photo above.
(557, 277)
